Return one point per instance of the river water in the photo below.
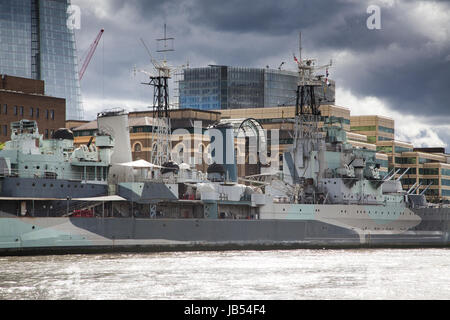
(249, 275)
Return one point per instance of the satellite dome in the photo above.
(63, 133)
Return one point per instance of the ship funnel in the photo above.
(115, 123)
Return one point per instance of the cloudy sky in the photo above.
(401, 70)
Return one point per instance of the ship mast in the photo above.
(161, 144)
(307, 136)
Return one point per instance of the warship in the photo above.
(57, 198)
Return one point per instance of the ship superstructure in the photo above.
(38, 175)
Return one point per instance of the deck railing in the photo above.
(41, 174)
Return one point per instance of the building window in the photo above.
(52, 114)
(37, 113)
(46, 114)
(385, 129)
(46, 134)
(5, 109)
(386, 149)
(5, 129)
(21, 110)
(15, 110)
(31, 111)
(363, 128)
(137, 147)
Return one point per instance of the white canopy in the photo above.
(139, 164)
(101, 198)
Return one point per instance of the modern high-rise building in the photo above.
(36, 43)
(376, 128)
(225, 87)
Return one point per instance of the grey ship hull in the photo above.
(85, 235)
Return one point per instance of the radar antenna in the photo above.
(161, 145)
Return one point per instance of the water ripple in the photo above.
(259, 275)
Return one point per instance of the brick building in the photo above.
(22, 98)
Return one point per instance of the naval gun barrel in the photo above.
(90, 141)
(413, 186)
(390, 172)
(401, 176)
(424, 190)
(390, 177)
(418, 186)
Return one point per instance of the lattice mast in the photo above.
(161, 144)
(307, 135)
(306, 109)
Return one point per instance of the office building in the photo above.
(225, 87)
(429, 168)
(36, 43)
(22, 98)
(376, 128)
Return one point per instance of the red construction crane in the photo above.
(90, 54)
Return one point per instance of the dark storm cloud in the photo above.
(268, 17)
(419, 88)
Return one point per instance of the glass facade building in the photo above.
(225, 87)
(36, 43)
